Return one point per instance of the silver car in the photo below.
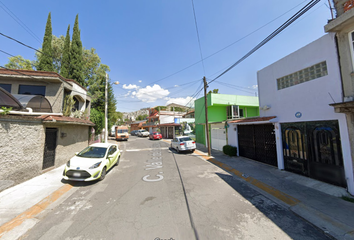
(142, 133)
(183, 143)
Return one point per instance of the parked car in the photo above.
(155, 135)
(134, 132)
(183, 143)
(92, 163)
(143, 133)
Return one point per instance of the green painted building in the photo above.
(222, 107)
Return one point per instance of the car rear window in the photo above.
(185, 139)
(93, 152)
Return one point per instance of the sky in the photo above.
(160, 50)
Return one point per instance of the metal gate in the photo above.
(49, 147)
(218, 136)
(314, 149)
(257, 142)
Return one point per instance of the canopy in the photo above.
(36, 102)
(9, 101)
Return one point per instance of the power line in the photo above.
(18, 20)
(196, 27)
(272, 35)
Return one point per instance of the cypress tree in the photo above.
(65, 61)
(76, 65)
(46, 59)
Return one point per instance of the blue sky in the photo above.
(151, 46)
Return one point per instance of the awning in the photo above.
(9, 101)
(36, 102)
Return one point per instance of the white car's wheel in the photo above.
(103, 174)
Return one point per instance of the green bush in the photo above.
(229, 150)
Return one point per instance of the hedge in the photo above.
(229, 150)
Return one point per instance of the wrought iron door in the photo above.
(49, 147)
(314, 149)
(258, 142)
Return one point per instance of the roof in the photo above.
(67, 120)
(255, 119)
(169, 125)
(32, 73)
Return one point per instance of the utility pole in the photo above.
(206, 115)
(105, 112)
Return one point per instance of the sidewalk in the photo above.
(317, 202)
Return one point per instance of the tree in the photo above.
(214, 91)
(97, 118)
(18, 62)
(76, 63)
(46, 59)
(57, 52)
(65, 61)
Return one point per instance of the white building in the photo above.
(295, 94)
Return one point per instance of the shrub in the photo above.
(229, 150)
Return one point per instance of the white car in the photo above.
(92, 163)
(183, 143)
(143, 133)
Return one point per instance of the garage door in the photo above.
(218, 137)
(257, 142)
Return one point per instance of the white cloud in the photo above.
(151, 94)
(255, 86)
(188, 101)
(130, 86)
(176, 86)
(140, 81)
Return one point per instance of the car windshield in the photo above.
(144, 131)
(122, 130)
(185, 139)
(93, 152)
(156, 133)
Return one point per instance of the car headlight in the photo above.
(96, 165)
(68, 164)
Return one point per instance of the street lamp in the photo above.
(105, 109)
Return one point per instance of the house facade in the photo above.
(221, 108)
(295, 94)
(38, 139)
(343, 27)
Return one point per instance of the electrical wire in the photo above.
(18, 20)
(196, 27)
(272, 35)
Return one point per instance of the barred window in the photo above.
(316, 71)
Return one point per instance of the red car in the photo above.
(155, 135)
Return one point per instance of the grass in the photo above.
(348, 199)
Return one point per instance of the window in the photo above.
(316, 71)
(7, 87)
(233, 111)
(31, 90)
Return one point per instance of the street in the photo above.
(156, 193)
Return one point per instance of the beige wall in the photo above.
(22, 146)
(21, 149)
(76, 139)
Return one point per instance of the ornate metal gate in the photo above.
(258, 142)
(49, 147)
(314, 149)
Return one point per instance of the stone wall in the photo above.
(22, 140)
(21, 149)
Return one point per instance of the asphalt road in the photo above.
(155, 193)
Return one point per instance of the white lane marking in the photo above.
(144, 149)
